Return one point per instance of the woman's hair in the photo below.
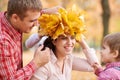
(20, 7)
(48, 43)
(113, 41)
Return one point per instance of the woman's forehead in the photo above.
(67, 35)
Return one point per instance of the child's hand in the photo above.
(96, 66)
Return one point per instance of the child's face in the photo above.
(64, 44)
(106, 55)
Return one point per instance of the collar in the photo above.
(16, 35)
(54, 58)
(113, 64)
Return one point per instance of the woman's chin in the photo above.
(68, 53)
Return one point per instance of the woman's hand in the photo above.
(83, 44)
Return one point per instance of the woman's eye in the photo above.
(63, 37)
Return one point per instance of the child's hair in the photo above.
(113, 41)
(20, 7)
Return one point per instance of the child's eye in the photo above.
(102, 47)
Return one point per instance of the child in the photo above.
(110, 55)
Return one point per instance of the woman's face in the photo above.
(64, 44)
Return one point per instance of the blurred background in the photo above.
(101, 16)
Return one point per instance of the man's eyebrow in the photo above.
(33, 20)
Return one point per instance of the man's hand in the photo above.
(41, 57)
(53, 10)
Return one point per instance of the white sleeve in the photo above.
(32, 40)
(80, 64)
(42, 73)
(91, 55)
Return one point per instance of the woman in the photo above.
(62, 41)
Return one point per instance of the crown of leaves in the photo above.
(65, 22)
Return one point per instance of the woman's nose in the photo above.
(69, 40)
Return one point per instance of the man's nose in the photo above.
(36, 23)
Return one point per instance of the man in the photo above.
(20, 17)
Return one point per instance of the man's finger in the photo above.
(40, 48)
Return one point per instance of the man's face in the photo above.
(30, 20)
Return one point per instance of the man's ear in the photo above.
(14, 17)
(115, 53)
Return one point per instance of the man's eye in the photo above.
(33, 20)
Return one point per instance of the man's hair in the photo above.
(20, 7)
(113, 41)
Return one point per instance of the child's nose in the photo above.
(100, 51)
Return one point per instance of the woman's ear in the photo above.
(54, 42)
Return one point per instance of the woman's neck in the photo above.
(60, 63)
(60, 56)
